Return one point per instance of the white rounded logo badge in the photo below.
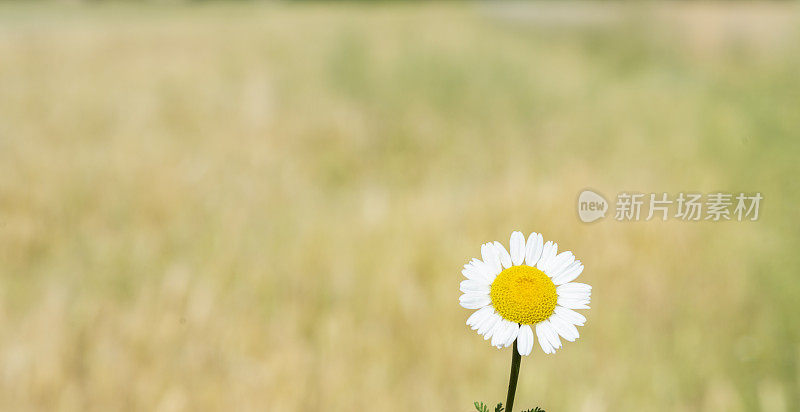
(591, 206)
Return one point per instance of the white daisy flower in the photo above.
(528, 290)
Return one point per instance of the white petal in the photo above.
(509, 329)
(521, 340)
(548, 252)
(474, 300)
(567, 330)
(517, 246)
(512, 336)
(531, 340)
(573, 304)
(496, 331)
(525, 340)
(499, 337)
(487, 324)
(573, 295)
(479, 316)
(474, 286)
(555, 273)
(569, 274)
(491, 259)
(574, 287)
(551, 334)
(533, 249)
(497, 328)
(476, 270)
(543, 341)
(570, 315)
(560, 262)
(585, 298)
(490, 272)
(502, 253)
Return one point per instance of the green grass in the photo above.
(241, 206)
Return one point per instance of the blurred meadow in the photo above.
(245, 206)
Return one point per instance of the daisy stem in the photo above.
(512, 381)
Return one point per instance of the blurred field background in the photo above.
(267, 206)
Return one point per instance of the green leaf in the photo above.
(499, 408)
(481, 407)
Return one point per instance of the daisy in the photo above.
(529, 289)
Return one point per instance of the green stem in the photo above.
(512, 381)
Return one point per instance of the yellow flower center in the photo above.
(523, 294)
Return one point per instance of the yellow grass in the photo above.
(266, 207)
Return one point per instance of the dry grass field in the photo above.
(251, 207)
